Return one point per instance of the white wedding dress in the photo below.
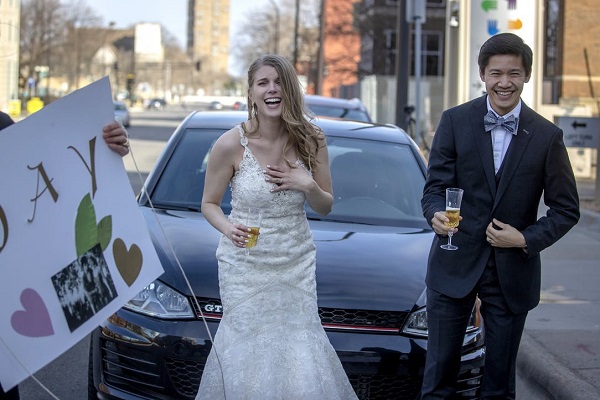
(270, 342)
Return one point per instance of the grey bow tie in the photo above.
(491, 121)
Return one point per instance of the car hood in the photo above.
(358, 266)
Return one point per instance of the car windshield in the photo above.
(374, 182)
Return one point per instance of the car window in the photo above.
(120, 107)
(339, 112)
(373, 182)
(182, 181)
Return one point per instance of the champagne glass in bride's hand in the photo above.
(253, 222)
(453, 200)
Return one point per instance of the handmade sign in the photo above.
(73, 245)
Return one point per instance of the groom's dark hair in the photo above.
(505, 43)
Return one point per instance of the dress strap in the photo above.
(243, 138)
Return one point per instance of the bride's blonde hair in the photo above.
(296, 118)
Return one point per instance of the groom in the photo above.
(505, 156)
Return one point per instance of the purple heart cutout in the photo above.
(34, 320)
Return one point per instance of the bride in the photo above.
(270, 343)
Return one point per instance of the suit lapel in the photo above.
(516, 150)
(483, 141)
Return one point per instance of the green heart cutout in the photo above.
(129, 262)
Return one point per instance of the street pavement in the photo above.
(559, 357)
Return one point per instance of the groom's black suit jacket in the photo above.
(536, 163)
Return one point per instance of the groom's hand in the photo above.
(503, 235)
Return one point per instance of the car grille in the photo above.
(331, 318)
(136, 371)
(145, 372)
(381, 387)
(386, 387)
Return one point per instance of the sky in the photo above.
(172, 14)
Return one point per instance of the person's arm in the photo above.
(440, 175)
(319, 193)
(560, 196)
(219, 171)
(5, 120)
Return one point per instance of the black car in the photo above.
(323, 106)
(372, 252)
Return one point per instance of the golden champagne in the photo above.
(253, 239)
(453, 215)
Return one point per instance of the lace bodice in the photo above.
(249, 188)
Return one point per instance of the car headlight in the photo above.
(416, 323)
(160, 301)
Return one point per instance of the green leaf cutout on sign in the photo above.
(105, 231)
(88, 233)
(86, 229)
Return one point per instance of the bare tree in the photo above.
(81, 41)
(255, 36)
(41, 31)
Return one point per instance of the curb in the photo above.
(545, 375)
(550, 378)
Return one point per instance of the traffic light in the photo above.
(198, 65)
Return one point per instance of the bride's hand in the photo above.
(238, 234)
(286, 178)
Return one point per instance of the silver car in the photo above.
(122, 113)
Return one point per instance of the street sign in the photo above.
(580, 131)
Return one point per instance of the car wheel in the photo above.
(92, 392)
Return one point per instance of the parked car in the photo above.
(323, 106)
(239, 105)
(372, 253)
(215, 105)
(122, 113)
(156, 104)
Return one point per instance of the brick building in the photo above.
(341, 49)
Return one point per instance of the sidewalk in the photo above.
(559, 357)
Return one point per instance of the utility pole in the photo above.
(321, 56)
(277, 17)
(402, 62)
(296, 27)
(416, 13)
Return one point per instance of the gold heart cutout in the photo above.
(129, 262)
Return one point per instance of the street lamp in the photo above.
(277, 16)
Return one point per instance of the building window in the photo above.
(390, 51)
(436, 3)
(432, 53)
(551, 91)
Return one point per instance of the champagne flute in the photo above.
(453, 200)
(253, 221)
